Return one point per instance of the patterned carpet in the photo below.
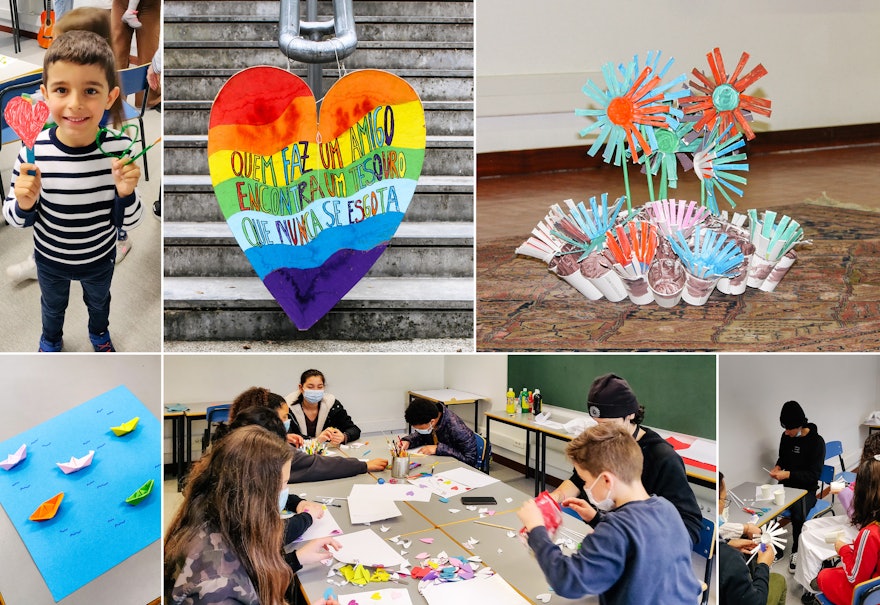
(829, 301)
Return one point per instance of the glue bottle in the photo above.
(524, 400)
(511, 402)
(536, 402)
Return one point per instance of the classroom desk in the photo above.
(178, 441)
(12, 68)
(449, 397)
(746, 493)
(526, 422)
(514, 558)
(872, 428)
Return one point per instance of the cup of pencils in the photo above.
(400, 466)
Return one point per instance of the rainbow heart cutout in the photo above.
(26, 119)
(313, 205)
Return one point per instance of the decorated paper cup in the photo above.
(779, 271)
(837, 486)
(779, 497)
(766, 491)
(759, 270)
(603, 278)
(737, 285)
(637, 289)
(697, 290)
(583, 285)
(666, 280)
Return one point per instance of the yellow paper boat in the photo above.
(141, 493)
(47, 509)
(125, 428)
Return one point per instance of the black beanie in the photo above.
(611, 397)
(792, 415)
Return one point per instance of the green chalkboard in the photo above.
(678, 391)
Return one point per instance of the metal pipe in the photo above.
(302, 40)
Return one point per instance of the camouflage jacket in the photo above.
(212, 573)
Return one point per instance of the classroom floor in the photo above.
(135, 318)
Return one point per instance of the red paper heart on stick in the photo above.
(26, 118)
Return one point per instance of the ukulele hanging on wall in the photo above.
(47, 25)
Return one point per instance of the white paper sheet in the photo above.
(700, 450)
(492, 590)
(398, 596)
(443, 487)
(367, 509)
(325, 526)
(367, 548)
(391, 491)
(468, 477)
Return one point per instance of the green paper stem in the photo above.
(626, 185)
(650, 185)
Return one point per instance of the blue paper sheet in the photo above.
(94, 529)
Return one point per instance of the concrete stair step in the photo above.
(190, 197)
(430, 84)
(450, 8)
(244, 28)
(416, 250)
(375, 309)
(447, 118)
(204, 54)
(187, 154)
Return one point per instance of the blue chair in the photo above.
(484, 453)
(27, 84)
(835, 448)
(133, 81)
(832, 449)
(866, 593)
(214, 414)
(705, 547)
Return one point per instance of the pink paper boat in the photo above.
(13, 459)
(76, 464)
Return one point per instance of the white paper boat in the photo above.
(76, 464)
(13, 459)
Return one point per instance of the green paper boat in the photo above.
(141, 493)
(126, 427)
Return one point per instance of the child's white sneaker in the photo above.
(130, 19)
(26, 269)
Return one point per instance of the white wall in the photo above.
(532, 63)
(836, 391)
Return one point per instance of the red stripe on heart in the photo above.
(26, 119)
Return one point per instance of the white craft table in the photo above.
(449, 397)
(746, 493)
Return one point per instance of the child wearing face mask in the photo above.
(800, 461)
(315, 414)
(439, 432)
(619, 560)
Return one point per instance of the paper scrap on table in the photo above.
(468, 477)
(427, 540)
(367, 510)
(398, 596)
(442, 486)
(320, 528)
(544, 420)
(390, 491)
(367, 548)
(479, 590)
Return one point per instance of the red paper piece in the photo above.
(26, 119)
(676, 444)
(420, 572)
(703, 465)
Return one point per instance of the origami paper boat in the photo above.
(76, 464)
(13, 459)
(141, 493)
(47, 509)
(125, 428)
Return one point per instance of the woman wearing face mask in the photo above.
(319, 415)
(439, 432)
(224, 543)
(611, 400)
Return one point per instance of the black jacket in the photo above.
(336, 417)
(738, 585)
(803, 457)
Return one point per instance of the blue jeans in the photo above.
(55, 294)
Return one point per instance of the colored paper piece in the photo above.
(492, 589)
(76, 464)
(367, 548)
(140, 493)
(398, 596)
(544, 597)
(443, 487)
(427, 540)
(391, 491)
(26, 118)
(47, 509)
(14, 458)
(468, 477)
(697, 464)
(314, 206)
(321, 528)
(93, 529)
(676, 444)
(125, 428)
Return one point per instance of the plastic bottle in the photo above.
(511, 402)
(524, 400)
(536, 402)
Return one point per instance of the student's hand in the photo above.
(779, 474)
(581, 507)
(838, 544)
(27, 186)
(766, 557)
(404, 445)
(295, 440)
(428, 450)
(313, 508)
(126, 176)
(325, 435)
(742, 545)
(376, 465)
(530, 515)
(750, 530)
(335, 436)
(316, 550)
(153, 78)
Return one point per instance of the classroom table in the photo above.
(514, 557)
(12, 68)
(449, 397)
(177, 442)
(746, 493)
(527, 422)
